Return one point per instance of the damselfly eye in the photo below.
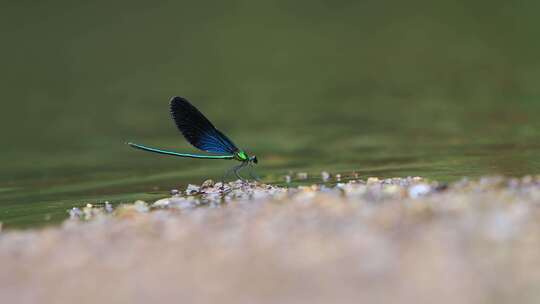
(254, 159)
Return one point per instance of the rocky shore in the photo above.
(399, 240)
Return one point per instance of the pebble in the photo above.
(419, 190)
(207, 183)
(108, 207)
(183, 203)
(325, 176)
(302, 175)
(141, 206)
(192, 189)
(75, 213)
(370, 232)
(162, 203)
(373, 189)
(372, 180)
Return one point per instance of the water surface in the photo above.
(377, 88)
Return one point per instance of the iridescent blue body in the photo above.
(200, 132)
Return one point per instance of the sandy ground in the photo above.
(376, 241)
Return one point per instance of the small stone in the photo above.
(513, 183)
(207, 183)
(419, 190)
(141, 206)
(527, 179)
(391, 189)
(75, 213)
(372, 180)
(219, 187)
(338, 177)
(183, 203)
(441, 187)
(175, 192)
(108, 207)
(162, 203)
(302, 175)
(88, 212)
(325, 176)
(192, 189)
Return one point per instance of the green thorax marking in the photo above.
(241, 156)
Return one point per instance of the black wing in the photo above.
(198, 130)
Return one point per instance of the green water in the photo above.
(381, 88)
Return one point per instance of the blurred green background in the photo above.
(442, 89)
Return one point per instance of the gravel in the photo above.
(398, 240)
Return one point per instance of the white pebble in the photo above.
(141, 206)
(75, 213)
(302, 175)
(192, 189)
(108, 207)
(164, 202)
(419, 190)
(325, 176)
(372, 180)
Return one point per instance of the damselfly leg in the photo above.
(237, 169)
(252, 174)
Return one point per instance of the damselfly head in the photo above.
(253, 159)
